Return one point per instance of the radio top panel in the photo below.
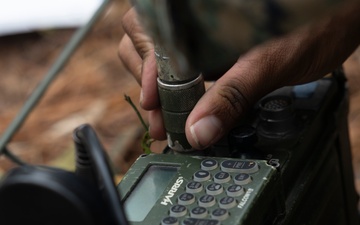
(179, 189)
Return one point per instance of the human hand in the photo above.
(302, 56)
(136, 51)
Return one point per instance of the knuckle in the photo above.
(237, 103)
(129, 22)
(136, 34)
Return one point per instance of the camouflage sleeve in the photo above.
(212, 34)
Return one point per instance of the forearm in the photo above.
(305, 54)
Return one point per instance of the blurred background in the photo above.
(90, 89)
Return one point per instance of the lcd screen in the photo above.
(148, 190)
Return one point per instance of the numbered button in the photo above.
(186, 199)
(214, 189)
(178, 211)
(195, 221)
(209, 164)
(170, 220)
(194, 187)
(242, 179)
(220, 214)
(201, 175)
(198, 212)
(239, 166)
(222, 177)
(206, 201)
(227, 202)
(235, 190)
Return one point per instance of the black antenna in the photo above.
(96, 164)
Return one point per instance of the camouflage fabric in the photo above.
(210, 34)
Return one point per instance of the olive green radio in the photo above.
(209, 190)
(288, 162)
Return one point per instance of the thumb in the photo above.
(222, 105)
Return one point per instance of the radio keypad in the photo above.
(235, 190)
(239, 166)
(222, 177)
(198, 212)
(209, 164)
(224, 189)
(214, 189)
(195, 221)
(207, 201)
(201, 175)
(220, 214)
(186, 199)
(227, 202)
(194, 187)
(242, 179)
(178, 211)
(170, 220)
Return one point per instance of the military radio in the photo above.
(288, 162)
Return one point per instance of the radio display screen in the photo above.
(148, 190)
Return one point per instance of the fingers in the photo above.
(302, 56)
(220, 107)
(149, 99)
(130, 57)
(262, 70)
(132, 27)
(156, 129)
(144, 71)
(136, 51)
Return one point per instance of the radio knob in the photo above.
(276, 115)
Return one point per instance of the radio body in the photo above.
(175, 186)
(288, 162)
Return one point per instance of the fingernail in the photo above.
(206, 131)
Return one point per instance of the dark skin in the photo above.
(304, 55)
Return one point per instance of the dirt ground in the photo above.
(90, 89)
